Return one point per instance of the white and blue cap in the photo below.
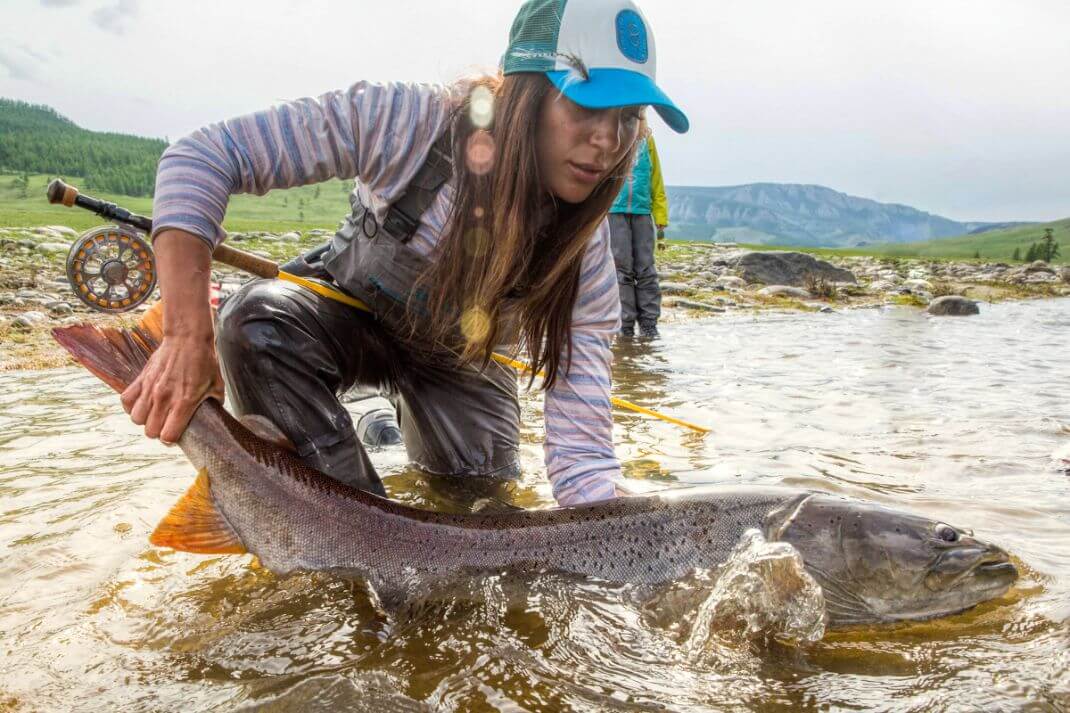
(598, 53)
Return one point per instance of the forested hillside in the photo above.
(36, 139)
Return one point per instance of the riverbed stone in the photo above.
(919, 285)
(953, 306)
(731, 282)
(290, 237)
(1064, 274)
(59, 308)
(787, 268)
(695, 305)
(674, 288)
(53, 248)
(63, 230)
(1039, 266)
(797, 293)
(28, 320)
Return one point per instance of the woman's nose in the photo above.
(607, 130)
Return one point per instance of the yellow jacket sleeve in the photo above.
(659, 204)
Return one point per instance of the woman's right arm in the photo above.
(184, 370)
(368, 131)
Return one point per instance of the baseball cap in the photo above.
(598, 53)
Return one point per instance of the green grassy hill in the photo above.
(304, 208)
(994, 245)
(37, 139)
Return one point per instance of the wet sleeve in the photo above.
(580, 459)
(377, 133)
(659, 202)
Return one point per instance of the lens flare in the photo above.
(475, 325)
(481, 107)
(479, 153)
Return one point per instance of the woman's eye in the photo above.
(947, 533)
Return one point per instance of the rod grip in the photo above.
(60, 192)
(253, 264)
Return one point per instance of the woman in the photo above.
(513, 248)
(640, 206)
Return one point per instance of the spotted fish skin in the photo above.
(296, 518)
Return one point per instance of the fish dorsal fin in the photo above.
(195, 524)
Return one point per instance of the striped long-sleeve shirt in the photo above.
(380, 135)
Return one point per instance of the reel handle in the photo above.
(253, 264)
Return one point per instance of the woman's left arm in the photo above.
(580, 459)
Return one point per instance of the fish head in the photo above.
(879, 565)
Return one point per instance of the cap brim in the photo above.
(611, 88)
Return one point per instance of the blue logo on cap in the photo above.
(631, 36)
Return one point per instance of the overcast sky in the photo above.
(958, 107)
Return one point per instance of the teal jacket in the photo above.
(643, 192)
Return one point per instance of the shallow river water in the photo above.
(957, 419)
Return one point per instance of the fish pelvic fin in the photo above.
(195, 524)
(114, 355)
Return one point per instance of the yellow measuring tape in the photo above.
(338, 296)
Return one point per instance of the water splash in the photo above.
(761, 591)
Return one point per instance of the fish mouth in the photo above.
(1004, 569)
(996, 571)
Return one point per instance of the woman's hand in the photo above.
(184, 370)
(180, 374)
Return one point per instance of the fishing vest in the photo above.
(374, 262)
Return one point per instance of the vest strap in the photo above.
(403, 217)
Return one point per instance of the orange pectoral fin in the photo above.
(195, 524)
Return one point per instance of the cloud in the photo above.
(33, 53)
(115, 18)
(18, 65)
(59, 3)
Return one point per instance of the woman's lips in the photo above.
(586, 173)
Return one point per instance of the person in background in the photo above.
(640, 206)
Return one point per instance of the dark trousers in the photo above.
(288, 353)
(632, 236)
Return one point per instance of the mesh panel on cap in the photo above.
(533, 38)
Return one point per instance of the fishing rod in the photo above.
(113, 269)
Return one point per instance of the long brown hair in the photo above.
(511, 253)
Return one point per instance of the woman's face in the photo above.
(578, 146)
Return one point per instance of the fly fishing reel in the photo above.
(111, 269)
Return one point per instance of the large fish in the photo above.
(874, 564)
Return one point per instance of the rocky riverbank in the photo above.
(724, 278)
(696, 279)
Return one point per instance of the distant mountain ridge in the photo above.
(804, 215)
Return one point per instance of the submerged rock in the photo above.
(777, 268)
(953, 306)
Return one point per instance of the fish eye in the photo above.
(947, 533)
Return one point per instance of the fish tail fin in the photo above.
(116, 356)
(195, 524)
